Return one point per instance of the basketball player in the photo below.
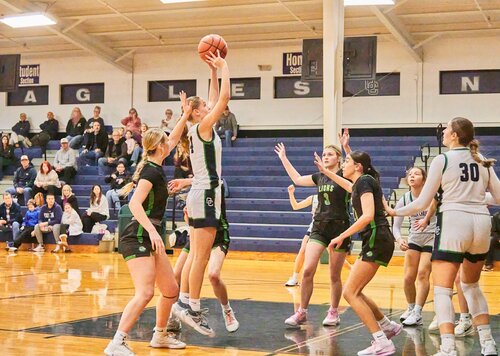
(462, 176)
(377, 247)
(330, 219)
(312, 201)
(417, 250)
(204, 198)
(142, 246)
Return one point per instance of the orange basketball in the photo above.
(212, 43)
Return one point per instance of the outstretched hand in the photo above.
(215, 61)
(280, 150)
(187, 108)
(344, 138)
(319, 163)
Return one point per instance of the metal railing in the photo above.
(392, 201)
(439, 136)
(425, 156)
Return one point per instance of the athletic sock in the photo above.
(295, 276)
(226, 307)
(384, 323)
(411, 306)
(464, 316)
(302, 310)
(184, 297)
(119, 337)
(448, 341)
(418, 309)
(484, 332)
(380, 337)
(160, 330)
(195, 304)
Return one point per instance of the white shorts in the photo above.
(204, 207)
(462, 235)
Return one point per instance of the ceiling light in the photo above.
(367, 2)
(27, 20)
(177, 1)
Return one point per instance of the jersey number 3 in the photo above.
(327, 198)
(469, 172)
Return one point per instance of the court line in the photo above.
(77, 293)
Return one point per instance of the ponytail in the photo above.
(373, 172)
(364, 159)
(474, 150)
(127, 188)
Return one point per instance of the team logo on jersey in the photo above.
(369, 254)
(142, 249)
(438, 231)
(209, 201)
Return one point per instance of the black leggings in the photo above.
(25, 234)
(90, 221)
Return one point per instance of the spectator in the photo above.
(121, 131)
(10, 217)
(133, 123)
(71, 226)
(494, 243)
(7, 157)
(20, 132)
(182, 162)
(227, 127)
(98, 211)
(94, 145)
(24, 179)
(133, 149)
(49, 131)
(27, 229)
(95, 118)
(47, 180)
(115, 153)
(49, 221)
(39, 200)
(65, 162)
(117, 181)
(75, 128)
(168, 123)
(68, 197)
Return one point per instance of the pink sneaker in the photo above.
(332, 318)
(379, 349)
(297, 319)
(393, 330)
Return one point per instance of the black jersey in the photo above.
(368, 184)
(156, 201)
(333, 200)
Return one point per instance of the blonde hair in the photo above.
(195, 102)
(150, 142)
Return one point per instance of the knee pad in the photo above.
(443, 305)
(475, 299)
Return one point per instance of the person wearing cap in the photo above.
(24, 179)
(227, 127)
(65, 162)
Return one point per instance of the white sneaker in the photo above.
(230, 320)
(464, 328)
(392, 330)
(413, 319)
(39, 248)
(444, 352)
(489, 348)
(12, 249)
(433, 326)
(406, 314)
(166, 340)
(115, 349)
(379, 349)
(292, 282)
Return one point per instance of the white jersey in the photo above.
(463, 183)
(206, 158)
(431, 228)
(314, 205)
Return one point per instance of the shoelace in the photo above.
(229, 316)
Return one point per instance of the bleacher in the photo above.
(259, 212)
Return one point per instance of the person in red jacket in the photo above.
(133, 123)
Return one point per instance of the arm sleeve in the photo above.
(57, 216)
(429, 191)
(398, 221)
(494, 186)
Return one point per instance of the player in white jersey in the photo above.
(417, 249)
(204, 199)
(312, 201)
(462, 176)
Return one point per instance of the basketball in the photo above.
(212, 43)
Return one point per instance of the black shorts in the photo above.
(135, 242)
(323, 232)
(222, 240)
(418, 248)
(378, 245)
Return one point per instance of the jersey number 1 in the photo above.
(470, 171)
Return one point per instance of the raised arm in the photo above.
(298, 205)
(176, 133)
(213, 91)
(207, 124)
(344, 141)
(297, 179)
(429, 191)
(344, 183)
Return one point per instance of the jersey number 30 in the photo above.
(469, 172)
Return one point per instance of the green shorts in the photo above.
(378, 245)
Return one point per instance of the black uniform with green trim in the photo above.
(332, 216)
(222, 238)
(134, 240)
(378, 241)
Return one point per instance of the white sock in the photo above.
(226, 307)
(464, 316)
(195, 304)
(380, 337)
(184, 297)
(295, 276)
(411, 306)
(448, 341)
(302, 310)
(418, 309)
(160, 330)
(119, 337)
(484, 332)
(384, 323)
